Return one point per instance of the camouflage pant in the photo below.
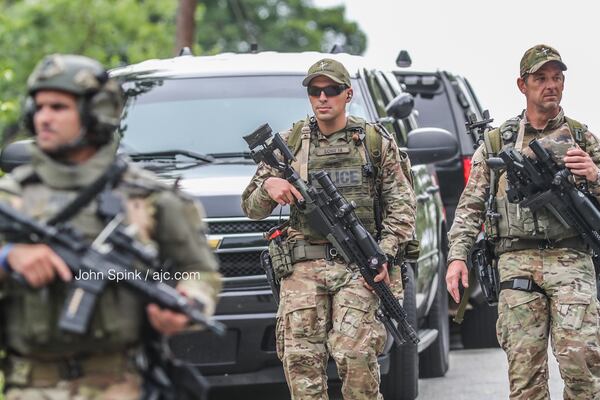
(325, 309)
(127, 387)
(570, 315)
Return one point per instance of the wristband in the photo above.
(4, 256)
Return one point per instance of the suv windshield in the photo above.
(210, 115)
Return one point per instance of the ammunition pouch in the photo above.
(281, 258)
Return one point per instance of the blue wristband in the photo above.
(4, 256)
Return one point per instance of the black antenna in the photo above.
(185, 51)
(337, 48)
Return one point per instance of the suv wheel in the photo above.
(402, 379)
(434, 361)
(478, 329)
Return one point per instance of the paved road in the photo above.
(459, 384)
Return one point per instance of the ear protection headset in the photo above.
(99, 98)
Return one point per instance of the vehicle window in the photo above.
(210, 115)
(408, 124)
(379, 99)
(433, 108)
(473, 103)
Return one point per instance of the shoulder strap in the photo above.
(497, 138)
(299, 141)
(577, 129)
(373, 143)
(493, 142)
(293, 140)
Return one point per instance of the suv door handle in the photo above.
(432, 189)
(422, 198)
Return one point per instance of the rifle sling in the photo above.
(462, 307)
(108, 179)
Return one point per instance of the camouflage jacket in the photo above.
(164, 218)
(470, 211)
(396, 192)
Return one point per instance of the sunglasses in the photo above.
(329, 91)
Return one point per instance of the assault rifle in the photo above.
(543, 183)
(329, 213)
(110, 256)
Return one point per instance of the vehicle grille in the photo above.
(239, 262)
(245, 226)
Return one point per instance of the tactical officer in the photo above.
(546, 273)
(73, 110)
(324, 306)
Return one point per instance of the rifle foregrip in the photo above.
(392, 307)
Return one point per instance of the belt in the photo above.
(24, 371)
(574, 243)
(522, 283)
(303, 251)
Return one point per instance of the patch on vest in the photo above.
(343, 177)
(325, 151)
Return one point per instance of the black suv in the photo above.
(185, 118)
(446, 100)
(190, 105)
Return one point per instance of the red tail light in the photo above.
(466, 161)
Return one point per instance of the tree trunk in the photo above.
(186, 24)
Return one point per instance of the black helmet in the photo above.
(100, 98)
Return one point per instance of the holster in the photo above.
(483, 263)
(483, 267)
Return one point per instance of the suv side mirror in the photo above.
(15, 154)
(401, 106)
(430, 145)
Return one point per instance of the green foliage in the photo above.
(120, 32)
(113, 31)
(279, 25)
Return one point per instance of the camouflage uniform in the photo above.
(46, 363)
(570, 312)
(324, 307)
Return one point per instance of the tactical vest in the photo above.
(31, 316)
(517, 222)
(353, 167)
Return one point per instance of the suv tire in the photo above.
(434, 361)
(402, 379)
(478, 329)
